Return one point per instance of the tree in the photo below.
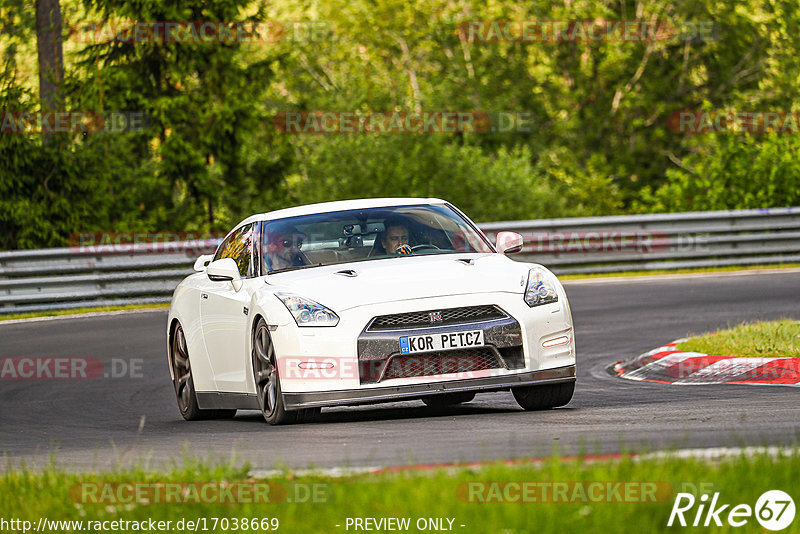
(51, 55)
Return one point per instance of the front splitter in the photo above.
(313, 399)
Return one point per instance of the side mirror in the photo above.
(508, 242)
(225, 270)
(202, 262)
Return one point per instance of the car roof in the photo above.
(339, 205)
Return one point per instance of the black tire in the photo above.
(308, 415)
(268, 382)
(448, 399)
(184, 384)
(544, 397)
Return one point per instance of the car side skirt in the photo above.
(215, 400)
(297, 401)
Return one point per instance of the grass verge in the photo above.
(78, 311)
(767, 339)
(726, 269)
(620, 503)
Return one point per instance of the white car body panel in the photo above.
(218, 321)
(399, 279)
(317, 345)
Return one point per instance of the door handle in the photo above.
(204, 295)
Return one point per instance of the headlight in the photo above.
(307, 312)
(540, 290)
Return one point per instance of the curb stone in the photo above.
(668, 365)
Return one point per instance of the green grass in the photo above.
(768, 339)
(29, 495)
(77, 311)
(726, 269)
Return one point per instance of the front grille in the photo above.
(449, 317)
(513, 357)
(464, 362)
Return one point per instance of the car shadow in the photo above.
(374, 413)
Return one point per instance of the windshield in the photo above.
(366, 234)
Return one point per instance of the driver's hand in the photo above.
(404, 250)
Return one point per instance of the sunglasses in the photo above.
(288, 243)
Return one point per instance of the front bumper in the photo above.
(296, 401)
(315, 360)
(378, 351)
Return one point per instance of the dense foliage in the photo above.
(596, 139)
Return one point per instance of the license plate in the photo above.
(444, 341)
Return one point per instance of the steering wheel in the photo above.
(424, 246)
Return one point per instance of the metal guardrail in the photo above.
(63, 278)
(102, 275)
(660, 241)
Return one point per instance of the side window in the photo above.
(239, 246)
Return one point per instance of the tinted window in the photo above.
(366, 234)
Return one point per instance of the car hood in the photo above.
(403, 278)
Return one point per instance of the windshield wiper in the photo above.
(295, 268)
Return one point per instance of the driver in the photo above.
(395, 237)
(282, 249)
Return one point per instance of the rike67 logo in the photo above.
(774, 510)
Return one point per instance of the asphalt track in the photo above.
(105, 422)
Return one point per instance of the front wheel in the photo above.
(544, 397)
(268, 382)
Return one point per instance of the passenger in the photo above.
(282, 249)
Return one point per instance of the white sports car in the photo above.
(366, 301)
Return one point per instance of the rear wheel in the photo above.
(268, 382)
(544, 397)
(448, 399)
(184, 385)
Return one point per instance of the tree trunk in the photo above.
(51, 56)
